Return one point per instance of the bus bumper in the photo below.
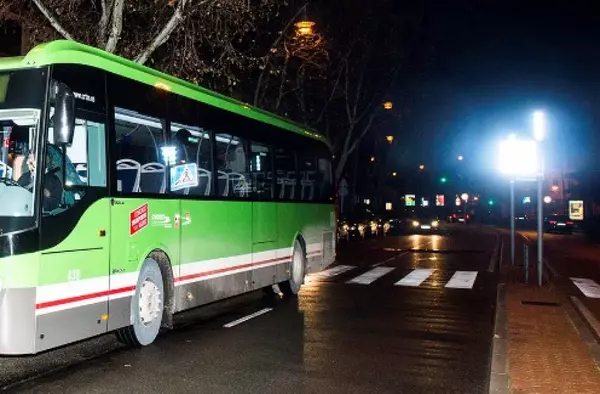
(17, 321)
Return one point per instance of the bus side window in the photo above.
(233, 178)
(286, 175)
(192, 148)
(324, 180)
(141, 162)
(308, 173)
(262, 172)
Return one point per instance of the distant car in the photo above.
(395, 226)
(558, 224)
(350, 229)
(459, 217)
(425, 224)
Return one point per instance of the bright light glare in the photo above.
(460, 158)
(518, 157)
(539, 125)
(547, 199)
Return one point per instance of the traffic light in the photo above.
(443, 179)
(491, 202)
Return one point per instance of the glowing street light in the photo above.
(554, 188)
(464, 197)
(304, 28)
(394, 173)
(547, 199)
(372, 158)
(518, 157)
(539, 126)
(460, 158)
(389, 138)
(388, 105)
(421, 167)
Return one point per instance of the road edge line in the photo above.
(495, 254)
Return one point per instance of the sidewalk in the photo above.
(546, 352)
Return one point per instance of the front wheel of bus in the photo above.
(146, 307)
(291, 287)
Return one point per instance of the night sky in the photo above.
(496, 62)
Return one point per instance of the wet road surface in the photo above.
(407, 314)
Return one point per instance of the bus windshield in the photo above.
(19, 128)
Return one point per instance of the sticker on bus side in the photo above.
(138, 219)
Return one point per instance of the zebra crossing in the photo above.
(588, 287)
(419, 277)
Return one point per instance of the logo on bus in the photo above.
(138, 219)
(84, 97)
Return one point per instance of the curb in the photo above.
(499, 366)
(589, 331)
(499, 382)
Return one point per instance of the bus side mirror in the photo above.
(64, 114)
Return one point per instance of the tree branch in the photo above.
(270, 54)
(117, 26)
(104, 21)
(53, 21)
(164, 34)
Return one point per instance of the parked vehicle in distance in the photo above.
(558, 224)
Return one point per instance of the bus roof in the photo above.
(65, 51)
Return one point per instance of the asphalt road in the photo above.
(377, 322)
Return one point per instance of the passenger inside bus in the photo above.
(24, 172)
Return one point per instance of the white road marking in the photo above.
(588, 287)
(331, 272)
(246, 318)
(415, 278)
(462, 280)
(371, 276)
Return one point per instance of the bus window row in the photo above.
(149, 160)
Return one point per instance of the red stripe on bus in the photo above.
(83, 297)
(236, 267)
(107, 293)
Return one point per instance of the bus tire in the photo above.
(291, 287)
(146, 307)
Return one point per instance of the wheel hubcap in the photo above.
(297, 267)
(150, 302)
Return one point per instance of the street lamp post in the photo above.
(512, 221)
(539, 131)
(518, 158)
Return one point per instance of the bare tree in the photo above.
(214, 39)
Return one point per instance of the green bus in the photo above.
(128, 195)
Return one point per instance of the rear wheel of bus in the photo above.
(146, 307)
(291, 287)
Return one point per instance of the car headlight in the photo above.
(435, 223)
(415, 223)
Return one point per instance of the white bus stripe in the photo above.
(416, 277)
(462, 280)
(246, 318)
(331, 272)
(371, 276)
(588, 287)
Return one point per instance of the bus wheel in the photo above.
(291, 287)
(146, 307)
